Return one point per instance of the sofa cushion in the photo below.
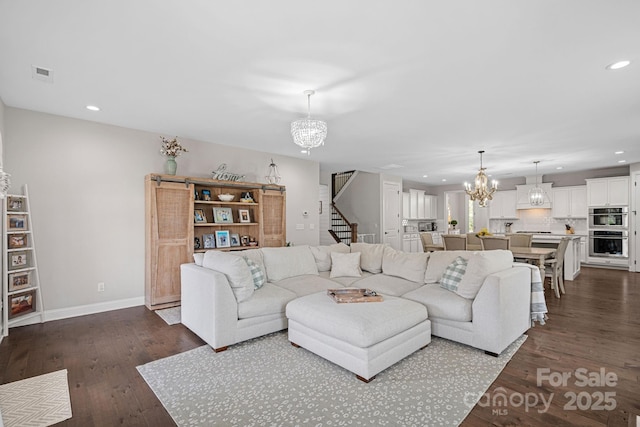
(453, 274)
(235, 268)
(439, 261)
(322, 254)
(481, 264)
(387, 285)
(198, 257)
(282, 263)
(308, 284)
(410, 266)
(371, 256)
(269, 299)
(441, 303)
(254, 255)
(256, 274)
(345, 265)
(347, 282)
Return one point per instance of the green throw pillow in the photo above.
(453, 274)
(256, 273)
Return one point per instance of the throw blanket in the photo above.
(538, 303)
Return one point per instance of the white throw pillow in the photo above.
(235, 268)
(345, 265)
(198, 257)
(453, 274)
(371, 256)
(439, 261)
(322, 254)
(282, 263)
(481, 264)
(410, 266)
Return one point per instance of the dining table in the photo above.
(537, 254)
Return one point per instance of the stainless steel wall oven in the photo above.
(609, 217)
(609, 243)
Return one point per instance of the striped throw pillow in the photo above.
(453, 274)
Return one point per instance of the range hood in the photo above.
(522, 194)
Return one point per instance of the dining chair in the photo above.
(520, 240)
(454, 242)
(495, 242)
(556, 264)
(427, 243)
(473, 239)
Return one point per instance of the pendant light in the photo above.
(481, 192)
(536, 194)
(309, 133)
(273, 175)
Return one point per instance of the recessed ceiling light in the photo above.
(619, 152)
(93, 108)
(425, 176)
(622, 161)
(303, 151)
(559, 167)
(444, 179)
(618, 65)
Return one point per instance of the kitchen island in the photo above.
(573, 256)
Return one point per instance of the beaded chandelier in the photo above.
(309, 133)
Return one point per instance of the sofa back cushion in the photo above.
(235, 269)
(282, 263)
(322, 254)
(439, 261)
(410, 266)
(370, 256)
(480, 265)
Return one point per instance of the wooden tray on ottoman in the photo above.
(353, 295)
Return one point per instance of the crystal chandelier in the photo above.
(309, 133)
(536, 194)
(482, 193)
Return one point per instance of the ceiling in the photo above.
(409, 87)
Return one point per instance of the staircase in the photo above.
(341, 229)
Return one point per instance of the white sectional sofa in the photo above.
(487, 307)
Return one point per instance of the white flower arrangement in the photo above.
(171, 148)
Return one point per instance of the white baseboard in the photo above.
(83, 310)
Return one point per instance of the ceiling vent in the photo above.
(42, 74)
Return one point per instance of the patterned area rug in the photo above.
(36, 402)
(170, 315)
(267, 381)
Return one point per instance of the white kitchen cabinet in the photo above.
(608, 191)
(503, 205)
(416, 197)
(584, 255)
(406, 206)
(411, 242)
(430, 207)
(570, 202)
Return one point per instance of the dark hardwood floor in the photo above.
(594, 327)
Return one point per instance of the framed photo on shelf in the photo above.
(15, 204)
(244, 215)
(222, 216)
(16, 222)
(244, 240)
(209, 241)
(222, 239)
(17, 241)
(235, 239)
(199, 216)
(21, 304)
(206, 195)
(18, 260)
(19, 281)
(246, 197)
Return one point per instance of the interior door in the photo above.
(391, 214)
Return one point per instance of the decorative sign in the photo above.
(222, 175)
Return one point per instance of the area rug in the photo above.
(170, 315)
(267, 381)
(36, 402)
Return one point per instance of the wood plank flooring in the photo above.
(595, 326)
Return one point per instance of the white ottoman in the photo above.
(364, 338)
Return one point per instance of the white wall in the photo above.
(361, 202)
(86, 185)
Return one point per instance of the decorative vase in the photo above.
(171, 166)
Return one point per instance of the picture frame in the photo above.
(18, 281)
(222, 239)
(22, 303)
(206, 195)
(222, 216)
(244, 240)
(199, 216)
(235, 239)
(18, 260)
(209, 241)
(243, 215)
(15, 204)
(246, 197)
(196, 243)
(16, 222)
(17, 241)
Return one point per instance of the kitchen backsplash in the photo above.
(539, 220)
